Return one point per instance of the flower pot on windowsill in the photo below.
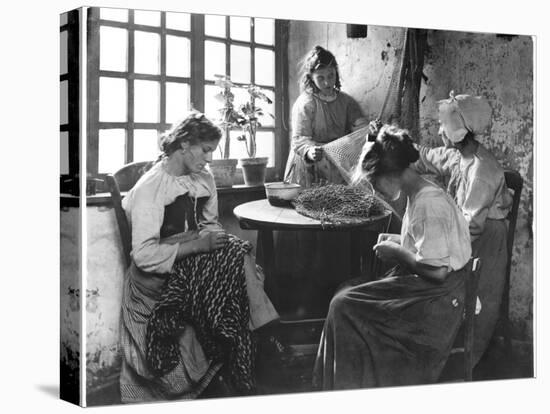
(254, 170)
(224, 171)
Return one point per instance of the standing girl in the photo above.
(321, 114)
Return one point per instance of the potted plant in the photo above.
(224, 169)
(254, 168)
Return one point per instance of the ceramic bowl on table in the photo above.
(281, 194)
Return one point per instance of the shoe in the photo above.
(271, 346)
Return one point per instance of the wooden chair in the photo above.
(470, 299)
(464, 343)
(514, 182)
(123, 180)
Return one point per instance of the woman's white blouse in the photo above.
(145, 203)
(435, 230)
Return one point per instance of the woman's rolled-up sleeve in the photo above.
(431, 242)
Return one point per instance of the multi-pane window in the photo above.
(69, 101)
(143, 82)
(146, 69)
(244, 49)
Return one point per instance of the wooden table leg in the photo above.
(266, 257)
(355, 253)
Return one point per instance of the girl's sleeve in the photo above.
(148, 254)
(439, 161)
(353, 114)
(302, 126)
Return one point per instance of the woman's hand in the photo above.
(393, 237)
(209, 241)
(314, 154)
(374, 127)
(388, 251)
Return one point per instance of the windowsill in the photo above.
(104, 199)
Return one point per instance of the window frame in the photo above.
(196, 82)
(69, 182)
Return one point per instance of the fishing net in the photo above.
(400, 105)
(336, 204)
(344, 152)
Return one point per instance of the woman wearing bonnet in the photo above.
(475, 179)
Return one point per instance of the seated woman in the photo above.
(399, 330)
(476, 182)
(192, 294)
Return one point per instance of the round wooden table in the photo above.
(264, 218)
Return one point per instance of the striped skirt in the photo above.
(177, 337)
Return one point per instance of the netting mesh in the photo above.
(400, 104)
(338, 204)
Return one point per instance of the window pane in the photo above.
(145, 144)
(63, 48)
(147, 52)
(266, 119)
(146, 101)
(119, 15)
(178, 21)
(264, 67)
(149, 18)
(64, 102)
(264, 31)
(212, 104)
(111, 150)
(265, 141)
(214, 59)
(178, 56)
(177, 101)
(63, 18)
(113, 48)
(214, 25)
(112, 99)
(239, 28)
(240, 64)
(64, 153)
(241, 96)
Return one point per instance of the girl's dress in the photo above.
(312, 264)
(183, 319)
(399, 330)
(316, 122)
(479, 188)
